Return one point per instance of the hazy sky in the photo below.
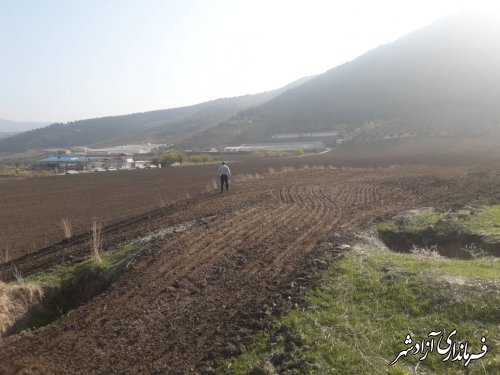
(64, 60)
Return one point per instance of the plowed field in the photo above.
(197, 296)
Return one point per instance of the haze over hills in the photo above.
(6, 134)
(442, 80)
(162, 126)
(9, 128)
(12, 127)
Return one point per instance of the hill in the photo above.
(442, 80)
(162, 126)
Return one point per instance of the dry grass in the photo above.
(240, 178)
(15, 302)
(249, 176)
(96, 241)
(66, 227)
(4, 255)
(214, 184)
(161, 202)
(271, 170)
(320, 167)
(287, 169)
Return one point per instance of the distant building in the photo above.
(306, 146)
(329, 138)
(58, 151)
(121, 161)
(80, 150)
(325, 134)
(89, 162)
(128, 149)
(62, 163)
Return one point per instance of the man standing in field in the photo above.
(225, 175)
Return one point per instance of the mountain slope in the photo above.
(442, 80)
(170, 125)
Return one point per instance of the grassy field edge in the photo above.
(356, 321)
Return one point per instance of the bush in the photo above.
(201, 158)
(168, 158)
(258, 154)
(269, 154)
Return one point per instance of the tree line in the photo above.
(166, 159)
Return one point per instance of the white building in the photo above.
(325, 134)
(306, 146)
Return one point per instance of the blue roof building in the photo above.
(63, 159)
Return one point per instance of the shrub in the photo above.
(201, 158)
(168, 158)
(258, 154)
(269, 154)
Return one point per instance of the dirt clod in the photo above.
(264, 369)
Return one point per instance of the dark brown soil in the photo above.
(198, 296)
(32, 208)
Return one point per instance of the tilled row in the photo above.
(201, 296)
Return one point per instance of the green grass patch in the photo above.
(68, 286)
(478, 269)
(412, 222)
(357, 320)
(424, 220)
(250, 358)
(486, 221)
(61, 275)
(387, 227)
